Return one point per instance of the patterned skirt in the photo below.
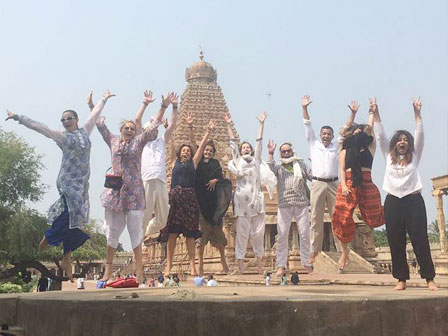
(367, 197)
(183, 217)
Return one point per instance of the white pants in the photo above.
(253, 227)
(116, 221)
(284, 218)
(156, 194)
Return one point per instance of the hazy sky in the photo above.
(54, 52)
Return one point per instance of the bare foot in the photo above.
(139, 272)
(43, 245)
(432, 285)
(280, 271)
(201, 269)
(343, 261)
(225, 269)
(312, 258)
(107, 273)
(259, 265)
(67, 267)
(401, 285)
(240, 266)
(193, 271)
(309, 269)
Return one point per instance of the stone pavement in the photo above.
(320, 305)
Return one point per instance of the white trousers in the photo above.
(156, 194)
(116, 221)
(284, 218)
(253, 227)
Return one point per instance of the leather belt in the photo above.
(330, 179)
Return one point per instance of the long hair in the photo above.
(394, 155)
(251, 148)
(347, 132)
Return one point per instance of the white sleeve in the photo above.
(42, 129)
(382, 139)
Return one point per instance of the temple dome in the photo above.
(201, 71)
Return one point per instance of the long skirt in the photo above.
(183, 217)
(368, 199)
(60, 232)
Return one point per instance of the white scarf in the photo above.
(296, 167)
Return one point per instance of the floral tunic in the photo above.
(248, 198)
(73, 177)
(126, 161)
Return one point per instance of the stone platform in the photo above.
(316, 307)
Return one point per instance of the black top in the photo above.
(365, 158)
(207, 199)
(183, 175)
(358, 155)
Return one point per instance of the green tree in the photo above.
(380, 238)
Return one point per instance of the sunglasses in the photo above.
(286, 151)
(127, 128)
(63, 120)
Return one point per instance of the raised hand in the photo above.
(262, 117)
(10, 115)
(354, 106)
(189, 119)
(228, 118)
(147, 97)
(373, 107)
(417, 103)
(211, 125)
(174, 99)
(90, 99)
(271, 146)
(107, 95)
(166, 101)
(306, 100)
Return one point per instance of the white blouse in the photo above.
(248, 197)
(402, 180)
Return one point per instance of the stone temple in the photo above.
(203, 97)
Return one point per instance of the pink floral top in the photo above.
(126, 161)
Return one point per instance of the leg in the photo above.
(191, 248)
(66, 265)
(416, 225)
(303, 228)
(134, 220)
(43, 245)
(170, 252)
(317, 218)
(257, 226)
(221, 249)
(138, 263)
(370, 203)
(201, 259)
(150, 200)
(109, 261)
(330, 199)
(396, 236)
(284, 216)
(242, 237)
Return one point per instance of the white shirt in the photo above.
(401, 180)
(248, 197)
(153, 160)
(212, 283)
(324, 160)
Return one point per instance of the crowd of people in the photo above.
(136, 194)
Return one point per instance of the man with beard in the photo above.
(293, 201)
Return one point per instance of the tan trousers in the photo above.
(322, 193)
(156, 194)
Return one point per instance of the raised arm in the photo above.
(104, 131)
(165, 103)
(228, 120)
(96, 111)
(380, 132)
(354, 106)
(190, 121)
(418, 135)
(309, 133)
(197, 156)
(271, 162)
(147, 99)
(172, 125)
(36, 126)
(259, 139)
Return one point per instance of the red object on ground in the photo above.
(123, 283)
